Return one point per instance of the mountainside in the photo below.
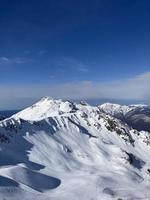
(136, 116)
(60, 150)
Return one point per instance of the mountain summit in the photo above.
(46, 107)
(63, 150)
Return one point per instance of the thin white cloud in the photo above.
(8, 61)
(136, 88)
(4, 59)
(73, 64)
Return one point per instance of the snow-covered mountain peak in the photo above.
(46, 98)
(46, 107)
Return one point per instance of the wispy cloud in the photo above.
(73, 64)
(136, 88)
(4, 59)
(7, 60)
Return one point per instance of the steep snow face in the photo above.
(60, 150)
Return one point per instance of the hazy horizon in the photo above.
(94, 102)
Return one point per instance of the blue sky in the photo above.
(93, 49)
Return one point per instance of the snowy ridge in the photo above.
(113, 109)
(136, 116)
(58, 150)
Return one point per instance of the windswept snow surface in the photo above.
(59, 150)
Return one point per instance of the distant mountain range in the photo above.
(61, 150)
(136, 116)
(7, 113)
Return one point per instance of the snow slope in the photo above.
(59, 150)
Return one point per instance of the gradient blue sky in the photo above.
(93, 49)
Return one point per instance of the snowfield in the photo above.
(60, 150)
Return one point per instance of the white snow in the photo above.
(59, 150)
(112, 108)
(46, 107)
